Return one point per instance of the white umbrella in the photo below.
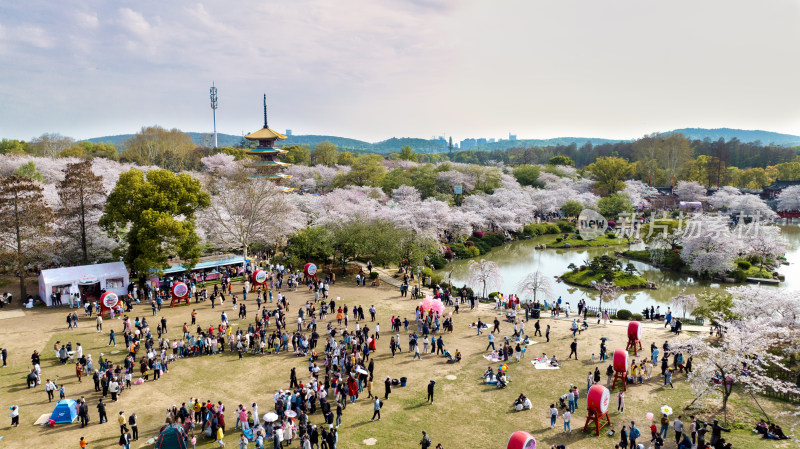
(290, 413)
(361, 370)
(270, 417)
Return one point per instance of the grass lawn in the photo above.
(466, 413)
(574, 242)
(621, 279)
(756, 272)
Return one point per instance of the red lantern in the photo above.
(521, 440)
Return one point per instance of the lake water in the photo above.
(517, 259)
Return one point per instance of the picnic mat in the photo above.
(491, 359)
(475, 327)
(42, 420)
(543, 365)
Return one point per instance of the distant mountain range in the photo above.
(440, 145)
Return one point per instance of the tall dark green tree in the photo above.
(156, 213)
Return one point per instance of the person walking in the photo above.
(537, 329)
(573, 349)
(664, 427)
(388, 387)
(668, 379)
(491, 343)
(621, 401)
(567, 416)
(547, 333)
(123, 427)
(623, 438)
(553, 415)
(634, 434)
(377, 408)
(430, 391)
(101, 410)
(14, 415)
(677, 426)
(50, 388)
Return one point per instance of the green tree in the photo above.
(17, 147)
(82, 198)
(312, 244)
(424, 179)
(298, 155)
(561, 160)
(158, 213)
(528, 175)
(346, 158)
(407, 154)
(613, 205)
(25, 224)
(28, 170)
(571, 208)
(158, 146)
(609, 173)
(663, 231)
(325, 153)
(394, 179)
(367, 171)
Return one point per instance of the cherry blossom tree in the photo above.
(789, 198)
(741, 357)
(690, 191)
(724, 197)
(685, 303)
(638, 192)
(221, 164)
(762, 240)
(536, 283)
(246, 211)
(709, 246)
(608, 292)
(751, 207)
(485, 274)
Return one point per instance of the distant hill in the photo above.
(440, 145)
(744, 135)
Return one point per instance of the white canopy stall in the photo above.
(89, 280)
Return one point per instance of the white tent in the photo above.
(110, 277)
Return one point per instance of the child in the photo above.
(62, 393)
(83, 443)
(193, 441)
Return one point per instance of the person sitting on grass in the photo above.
(522, 403)
(488, 375)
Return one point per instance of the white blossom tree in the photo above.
(638, 192)
(690, 191)
(685, 303)
(537, 283)
(485, 274)
(762, 240)
(789, 198)
(246, 211)
(751, 207)
(709, 246)
(608, 292)
(724, 197)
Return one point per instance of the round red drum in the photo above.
(598, 398)
(521, 440)
(259, 277)
(180, 290)
(310, 269)
(634, 330)
(621, 361)
(109, 300)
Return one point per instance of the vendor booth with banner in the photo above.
(90, 281)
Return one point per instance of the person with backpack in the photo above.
(377, 412)
(634, 434)
(426, 442)
(623, 438)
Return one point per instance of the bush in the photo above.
(493, 295)
(449, 254)
(559, 239)
(469, 243)
(578, 237)
(373, 275)
(482, 246)
(743, 265)
(427, 271)
(437, 279)
(753, 259)
(477, 234)
(739, 275)
(437, 261)
(565, 226)
(473, 251)
(637, 317)
(459, 250)
(493, 239)
(624, 314)
(611, 235)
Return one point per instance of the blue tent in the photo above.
(66, 411)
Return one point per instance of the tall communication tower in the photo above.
(214, 105)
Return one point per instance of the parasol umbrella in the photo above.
(361, 370)
(290, 413)
(270, 417)
(604, 339)
(666, 409)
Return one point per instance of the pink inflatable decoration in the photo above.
(430, 303)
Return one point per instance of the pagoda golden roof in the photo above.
(265, 134)
(257, 151)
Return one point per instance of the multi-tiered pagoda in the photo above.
(268, 165)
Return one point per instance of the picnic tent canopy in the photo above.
(111, 277)
(66, 411)
(172, 437)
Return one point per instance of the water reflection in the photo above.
(520, 258)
